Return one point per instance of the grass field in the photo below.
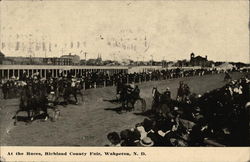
(88, 123)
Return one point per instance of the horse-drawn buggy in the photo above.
(129, 96)
(41, 95)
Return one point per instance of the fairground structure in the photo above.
(8, 71)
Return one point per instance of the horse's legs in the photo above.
(31, 117)
(65, 98)
(45, 110)
(133, 104)
(16, 116)
(75, 96)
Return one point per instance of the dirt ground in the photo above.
(88, 123)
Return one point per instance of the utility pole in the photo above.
(85, 53)
(151, 60)
(163, 61)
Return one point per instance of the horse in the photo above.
(160, 107)
(70, 88)
(131, 100)
(183, 92)
(32, 103)
(156, 99)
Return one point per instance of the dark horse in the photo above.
(32, 103)
(69, 88)
(160, 107)
(183, 92)
(131, 99)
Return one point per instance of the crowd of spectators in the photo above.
(101, 79)
(216, 118)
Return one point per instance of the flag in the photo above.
(17, 46)
(49, 46)
(44, 46)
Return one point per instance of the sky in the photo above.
(138, 30)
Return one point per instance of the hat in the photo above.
(247, 105)
(43, 79)
(147, 142)
(197, 109)
(114, 136)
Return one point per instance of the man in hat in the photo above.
(114, 139)
(35, 85)
(147, 142)
(136, 92)
(5, 89)
(180, 91)
(166, 96)
(24, 76)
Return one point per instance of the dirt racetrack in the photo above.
(88, 123)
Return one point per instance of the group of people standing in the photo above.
(216, 118)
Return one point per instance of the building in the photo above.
(57, 61)
(35, 61)
(198, 60)
(140, 69)
(75, 58)
(7, 71)
(1, 57)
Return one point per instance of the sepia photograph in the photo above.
(124, 74)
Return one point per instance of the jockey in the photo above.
(35, 86)
(166, 96)
(136, 92)
(119, 86)
(180, 91)
(5, 89)
(131, 88)
(73, 82)
(51, 85)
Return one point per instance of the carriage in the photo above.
(130, 98)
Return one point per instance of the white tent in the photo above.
(225, 66)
